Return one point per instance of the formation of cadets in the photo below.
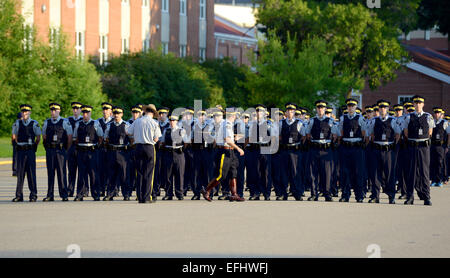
(222, 153)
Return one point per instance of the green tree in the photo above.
(359, 41)
(288, 72)
(37, 73)
(434, 13)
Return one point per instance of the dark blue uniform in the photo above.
(102, 156)
(437, 153)
(202, 151)
(173, 163)
(72, 161)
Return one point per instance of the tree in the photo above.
(37, 73)
(358, 40)
(434, 13)
(302, 74)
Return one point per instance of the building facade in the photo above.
(104, 27)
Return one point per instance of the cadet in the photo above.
(202, 155)
(418, 129)
(163, 124)
(226, 160)
(145, 132)
(57, 137)
(136, 112)
(72, 152)
(14, 145)
(334, 153)
(27, 134)
(384, 133)
(173, 159)
(352, 155)
(320, 131)
(117, 142)
(88, 134)
(401, 150)
(437, 150)
(276, 157)
(103, 152)
(187, 123)
(290, 140)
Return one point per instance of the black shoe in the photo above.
(169, 198)
(33, 200)
(316, 199)
(427, 203)
(77, 199)
(392, 201)
(195, 197)
(254, 198)
(343, 200)
(102, 194)
(374, 200)
(359, 200)
(48, 199)
(180, 198)
(402, 197)
(303, 195)
(409, 202)
(14, 174)
(108, 198)
(298, 198)
(97, 199)
(126, 198)
(15, 200)
(311, 198)
(65, 199)
(335, 195)
(328, 199)
(281, 198)
(267, 198)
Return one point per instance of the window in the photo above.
(165, 48)
(404, 98)
(202, 9)
(202, 54)
(182, 50)
(79, 44)
(145, 45)
(145, 3)
(125, 45)
(103, 49)
(165, 6)
(182, 7)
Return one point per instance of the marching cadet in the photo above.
(290, 140)
(187, 123)
(226, 160)
(173, 159)
(145, 133)
(103, 152)
(437, 150)
(320, 131)
(57, 137)
(136, 112)
(14, 145)
(88, 134)
(27, 134)
(117, 142)
(261, 133)
(202, 155)
(72, 152)
(163, 124)
(384, 133)
(418, 129)
(352, 155)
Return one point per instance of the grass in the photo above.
(6, 149)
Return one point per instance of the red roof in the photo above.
(221, 27)
(430, 58)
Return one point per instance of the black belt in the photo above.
(425, 143)
(175, 150)
(86, 148)
(384, 147)
(352, 144)
(58, 146)
(291, 147)
(437, 142)
(24, 147)
(320, 146)
(117, 148)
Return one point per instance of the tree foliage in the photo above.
(434, 13)
(37, 73)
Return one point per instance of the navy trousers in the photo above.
(118, 172)
(319, 171)
(352, 170)
(145, 159)
(385, 165)
(418, 176)
(56, 162)
(88, 173)
(72, 166)
(26, 165)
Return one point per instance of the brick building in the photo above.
(104, 27)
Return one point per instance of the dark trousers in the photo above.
(132, 171)
(418, 176)
(145, 159)
(334, 172)
(72, 165)
(276, 173)
(14, 157)
(352, 169)
(402, 168)
(290, 173)
(370, 159)
(263, 167)
(385, 165)
(189, 169)
(203, 169)
(437, 164)
(103, 178)
(303, 157)
(56, 162)
(158, 173)
(174, 172)
(251, 159)
(26, 164)
(240, 173)
(118, 169)
(319, 171)
(87, 173)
